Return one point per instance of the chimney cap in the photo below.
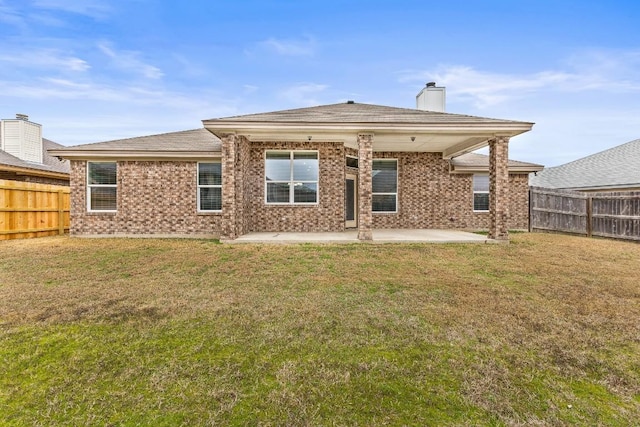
(431, 84)
(22, 117)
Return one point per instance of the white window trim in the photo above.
(198, 186)
(291, 180)
(90, 186)
(386, 194)
(474, 192)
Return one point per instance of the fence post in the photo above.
(589, 215)
(530, 209)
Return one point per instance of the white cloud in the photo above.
(92, 8)
(50, 59)
(10, 15)
(304, 47)
(129, 61)
(594, 70)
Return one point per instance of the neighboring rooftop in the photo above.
(615, 168)
(471, 162)
(50, 164)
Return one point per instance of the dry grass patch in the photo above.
(543, 331)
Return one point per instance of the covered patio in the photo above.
(378, 236)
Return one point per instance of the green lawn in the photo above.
(543, 331)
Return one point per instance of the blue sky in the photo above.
(95, 70)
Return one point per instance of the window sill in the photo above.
(208, 213)
(98, 213)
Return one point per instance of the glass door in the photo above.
(350, 202)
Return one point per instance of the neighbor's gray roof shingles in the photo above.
(360, 113)
(617, 167)
(482, 160)
(50, 163)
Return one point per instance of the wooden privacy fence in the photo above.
(613, 214)
(32, 210)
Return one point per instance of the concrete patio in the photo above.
(379, 236)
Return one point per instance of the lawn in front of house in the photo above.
(545, 330)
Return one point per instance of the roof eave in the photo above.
(71, 154)
(34, 172)
(483, 169)
(220, 127)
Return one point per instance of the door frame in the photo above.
(354, 222)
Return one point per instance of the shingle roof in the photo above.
(50, 164)
(617, 167)
(480, 160)
(348, 112)
(189, 140)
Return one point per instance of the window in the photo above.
(209, 187)
(385, 185)
(101, 186)
(352, 162)
(481, 193)
(291, 177)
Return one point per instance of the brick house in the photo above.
(316, 169)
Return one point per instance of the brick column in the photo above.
(498, 188)
(365, 166)
(228, 225)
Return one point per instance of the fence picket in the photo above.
(32, 210)
(605, 214)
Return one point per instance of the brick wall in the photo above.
(430, 197)
(159, 198)
(327, 215)
(154, 198)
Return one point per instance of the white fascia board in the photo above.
(248, 128)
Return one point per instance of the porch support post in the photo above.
(228, 225)
(365, 166)
(498, 188)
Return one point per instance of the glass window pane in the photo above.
(277, 192)
(480, 182)
(352, 162)
(210, 199)
(385, 176)
(481, 202)
(305, 192)
(350, 199)
(305, 166)
(103, 198)
(102, 173)
(384, 203)
(209, 174)
(278, 166)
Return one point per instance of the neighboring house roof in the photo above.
(196, 143)
(394, 129)
(474, 162)
(615, 168)
(52, 166)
